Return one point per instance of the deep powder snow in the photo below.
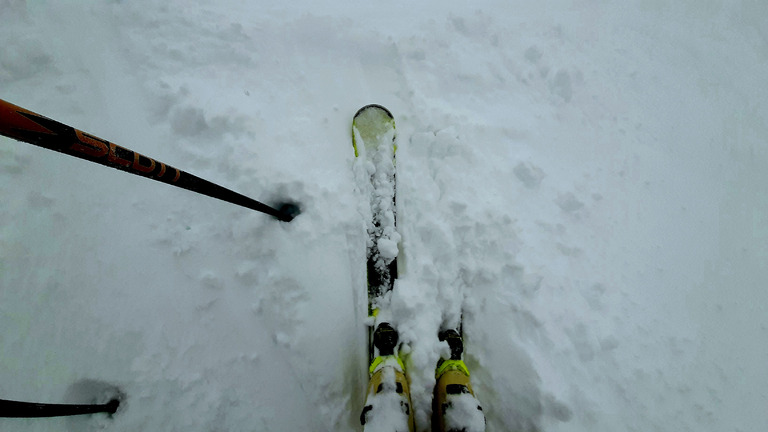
(583, 180)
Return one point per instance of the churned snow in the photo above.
(584, 181)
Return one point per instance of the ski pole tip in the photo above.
(112, 406)
(288, 211)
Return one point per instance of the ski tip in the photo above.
(374, 106)
(287, 211)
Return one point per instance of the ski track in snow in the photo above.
(584, 181)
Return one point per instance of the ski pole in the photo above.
(17, 409)
(24, 125)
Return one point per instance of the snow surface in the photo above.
(585, 178)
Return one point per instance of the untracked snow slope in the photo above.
(584, 180)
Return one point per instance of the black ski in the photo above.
(388, 402)
(373, 138)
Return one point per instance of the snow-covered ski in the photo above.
(388, 402)
(373, 138)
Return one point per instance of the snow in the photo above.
(585, 180)
(464, 413)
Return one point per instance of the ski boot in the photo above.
(388, 400)
(454, 406)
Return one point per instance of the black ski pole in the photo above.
(24, 125)
(17, 409)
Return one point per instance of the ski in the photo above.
(373, 139)
(388, 402)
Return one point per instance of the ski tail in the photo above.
(454, 405)
(388, 399)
